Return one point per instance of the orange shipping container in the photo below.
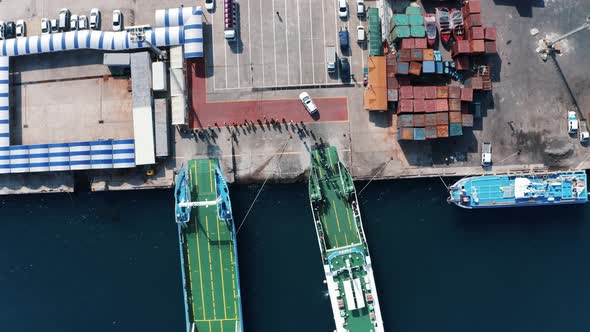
(428, 54)
(405, 133)
(442, 118)
(454, 105)
(375, 95)
(415, 68)
(455, 117)
(442, 131)
(466, 94)
(454, 92)
(477, 46)
(442, 92)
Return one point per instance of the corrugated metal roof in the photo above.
(161, 117)
(116, 59)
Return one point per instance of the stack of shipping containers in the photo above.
(375, 47)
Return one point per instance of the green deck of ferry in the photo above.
(337, 218)
(212, 278)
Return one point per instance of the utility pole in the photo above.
(546, 46)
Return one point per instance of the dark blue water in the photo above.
(109, 261)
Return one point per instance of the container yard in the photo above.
(415, 92)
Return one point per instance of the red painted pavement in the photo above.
(205, 114)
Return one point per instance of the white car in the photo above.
(117, 20)
(360, 34)
(53, 25)
(95, 19)
(486, 154)
(572, 122)
(74, 22)
(209, 5)
(308, 103)
(21, 28)
(342, 9)
(83, 22)
(45, 26)
(2, 29)
(360, 8)
(584, 136)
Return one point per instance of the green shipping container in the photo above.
(411, 10)
(401, 32)
(416, 19)
(417, 31)
(375, 46)
(399, 19)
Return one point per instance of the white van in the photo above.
(63, 21)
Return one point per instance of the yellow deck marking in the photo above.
(317, 158)
(346, 239)
(217, 320)
(200, 267)
(211, 268)
(221, 270)
(210, 179)
(337, 220)
(349, 223)
(210, 326)
(188, 256)
(233, 278)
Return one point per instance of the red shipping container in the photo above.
(442, 131)
(473, 6)
(442, 92)
(455, 117)
(467, 120)
(430, 105)
(420, 43)
(473, 20)
(430, 119)
(419, 106)
(466, 94)
(430, 92)
(406, 133)
(405, 106)
(392, 83)
(415, 68)
(407, 43)
(477, 46)
(490, 47)
(454, 105)
(404, 55)
(490, 34)
(454, 92)
(464, 108)
(476, 83)
(391, 71)
(428, 54)
(442, 118)
(442, 105)
(419, 92)
(431, 132)
(476, 33)
(406, 92)
(460, 47)
(462, 62)
(419, 120)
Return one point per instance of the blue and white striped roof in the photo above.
(191, 19)
(4, 102)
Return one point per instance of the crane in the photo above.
(546, 46)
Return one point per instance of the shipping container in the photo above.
(419, 120)
(430, 132)
(403, 68)
(415, 68)
(416, 54)
(404, 55)
(405, 106)
(473, 6)
(428, 67)
(421, 43)
(454, 105)
(392, 83)
(417, 31)
(466, 94)
(442, 105)
(391, 70)
(442, 92)
(454, 92)
(407, 43)
(460, 47)
(467, 120)
(405, 134)
(159, 77)
(490, 47)
(442, 131)
(405, 120)
(473, 20)
(400, 31)
(455, 129)
(411, 10)
(475, 33)
(490, 34)
(392, 95)
(419, 106)
(442, 118)
(419, 134)
(439, 67)
(419, 92)
(399, 19)
(475, 83)
(406, 92)
(455, 117)
(462, 62)
(416, 20)
(430, 105)
(430, 119)
(430, 92)
(428, 54)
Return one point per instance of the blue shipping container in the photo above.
(419, 134)
(405, 120)
(439, 67)
(428, 67)
(455, 129)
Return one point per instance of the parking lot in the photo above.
(282, 43)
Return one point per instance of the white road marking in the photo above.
(225, 60)
(262, 42)
(287, 39)
(212, 51)
(299, 35)
(238, 61)
(311, 35)
(274, 38)
(324, 27)
(250, 45)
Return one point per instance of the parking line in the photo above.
(299, 35)
(311, 35)
(324, 27)
(274, 38)
(225, 60)
(238, 61)
(287, 39)
(262, 42)
(250, 44)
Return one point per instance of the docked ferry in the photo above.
(496, 191)
(208, 249)
(345, 255)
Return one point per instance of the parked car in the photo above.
(10, 31)
(344, 70)
(360, 34)
(2, 29)
(82, 22)
(117, 20)
(572, 122)
(53, 25)
(63, 20)
(74, 22)
(95, 19)
(308, 103)
(343, 37)
(45, 26)
(209, 5)
(342, 9)
(21, 28)
(486, 154)
(360, 8)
